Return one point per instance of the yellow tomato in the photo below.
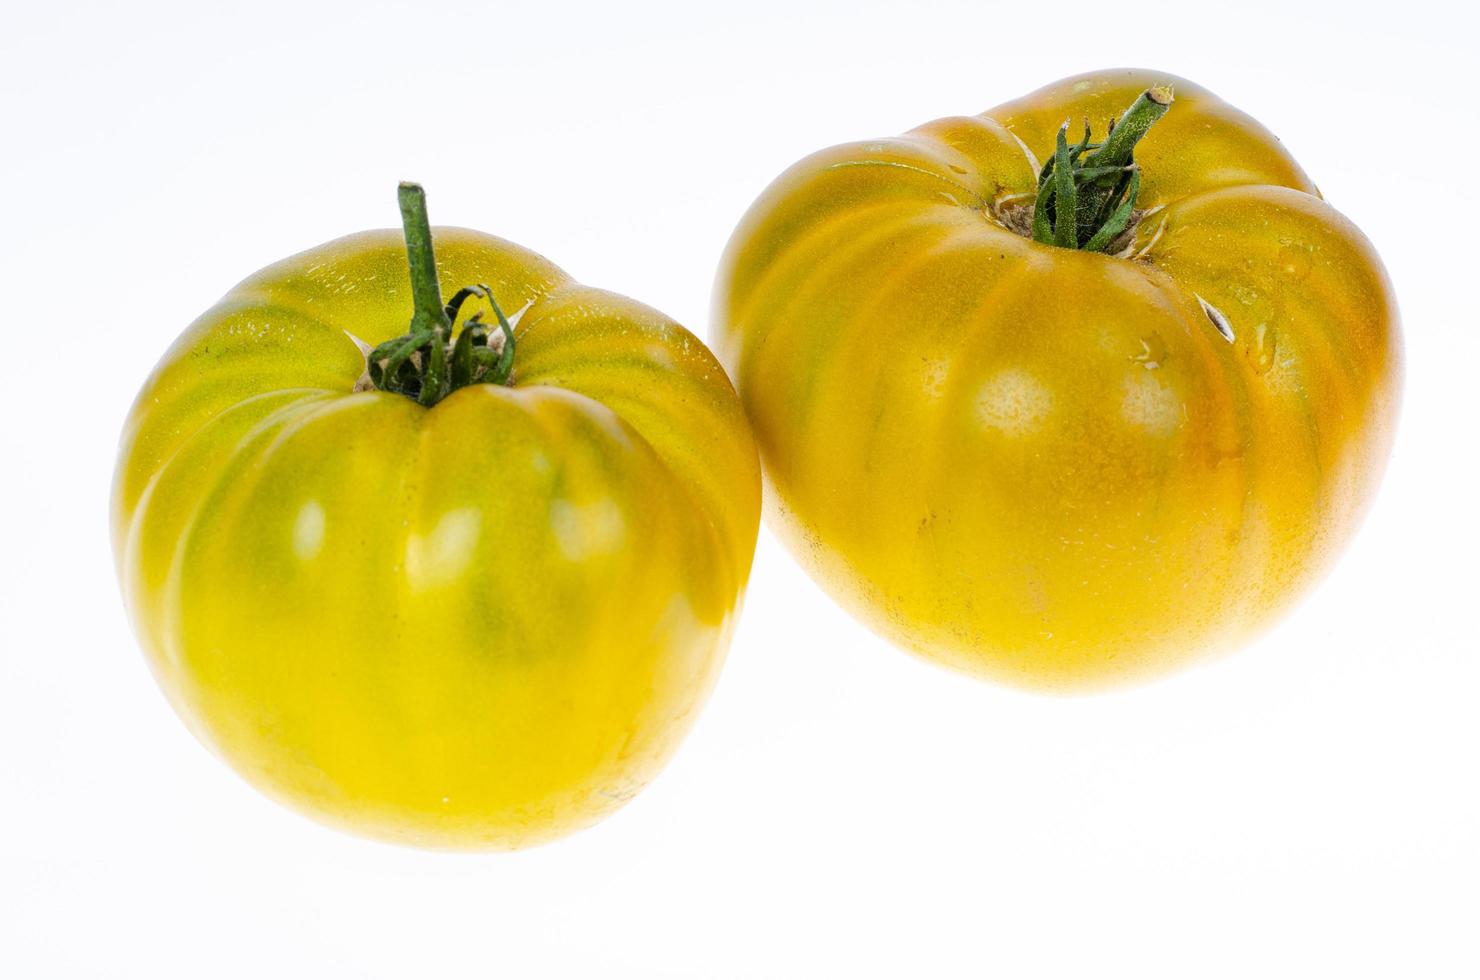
(480, 624)
(1058, 467)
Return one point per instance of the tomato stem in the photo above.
(426, 292)
(1087, 191)
(426, 364)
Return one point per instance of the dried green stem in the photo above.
(426, 293)
(426, 364)
(1087, 192)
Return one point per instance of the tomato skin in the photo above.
(480, 625)
(1048, 466)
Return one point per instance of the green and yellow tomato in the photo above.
(1063, 412)
(482, 615)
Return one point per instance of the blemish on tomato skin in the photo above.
(1153, 352)
(1217, 318)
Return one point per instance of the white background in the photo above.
(1306, 808)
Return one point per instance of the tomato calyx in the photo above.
(1087, 191)
(427, 363)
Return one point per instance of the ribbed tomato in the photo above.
(479, 616)
(1055, 411)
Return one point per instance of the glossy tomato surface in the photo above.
(483, 624)
(1059, 468)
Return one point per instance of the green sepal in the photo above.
(433, 358)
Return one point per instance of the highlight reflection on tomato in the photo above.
(468, 591)
(1063, 446)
